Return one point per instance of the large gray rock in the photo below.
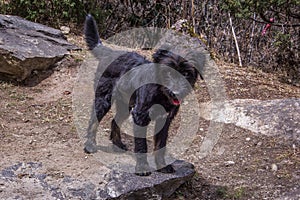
(271, 117)
(28, 180)
(26, 46)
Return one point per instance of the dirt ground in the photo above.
(36, 124)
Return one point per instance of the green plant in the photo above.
(222, 192)
(286, 57)
(53, 12)
(238, 193)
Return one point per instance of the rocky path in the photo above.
(255, 156)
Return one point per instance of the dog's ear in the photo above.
(166, 57)
(199, 74)
(91, 32)
(196, 71)
(159, 55)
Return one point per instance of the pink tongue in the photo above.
(176, 102)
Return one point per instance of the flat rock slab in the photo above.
(27, 180)
(271, 117)
(26, 46)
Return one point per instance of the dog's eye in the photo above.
(186, 74)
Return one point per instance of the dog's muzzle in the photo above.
(174, 98)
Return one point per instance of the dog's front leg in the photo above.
(141, 120)
(160, 141)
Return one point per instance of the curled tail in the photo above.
(91, 33)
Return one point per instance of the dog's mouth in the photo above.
(176, 102)
(174, 99)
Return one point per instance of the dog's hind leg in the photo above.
(122, 113)
(101, 106)
(90, 144)
(160, 141)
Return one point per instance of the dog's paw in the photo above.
(167, 169)
(90, 147)
(119, 147)
(142, 170)
(145, 173)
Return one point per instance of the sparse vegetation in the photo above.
(277, 50)
(235, 194)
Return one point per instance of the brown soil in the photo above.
(36, 124)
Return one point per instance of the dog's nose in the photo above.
(176, 92)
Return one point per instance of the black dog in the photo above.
(168, 91)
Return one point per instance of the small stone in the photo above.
(259, 144)
(19, 113)
(274, 167)
(294, 148)
(67, 92)
(26, 120)
(229, 163)
(32, 141)
(65, 30)
(248, 139)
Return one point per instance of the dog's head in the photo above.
(177, 84)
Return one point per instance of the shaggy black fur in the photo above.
(169, 93)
